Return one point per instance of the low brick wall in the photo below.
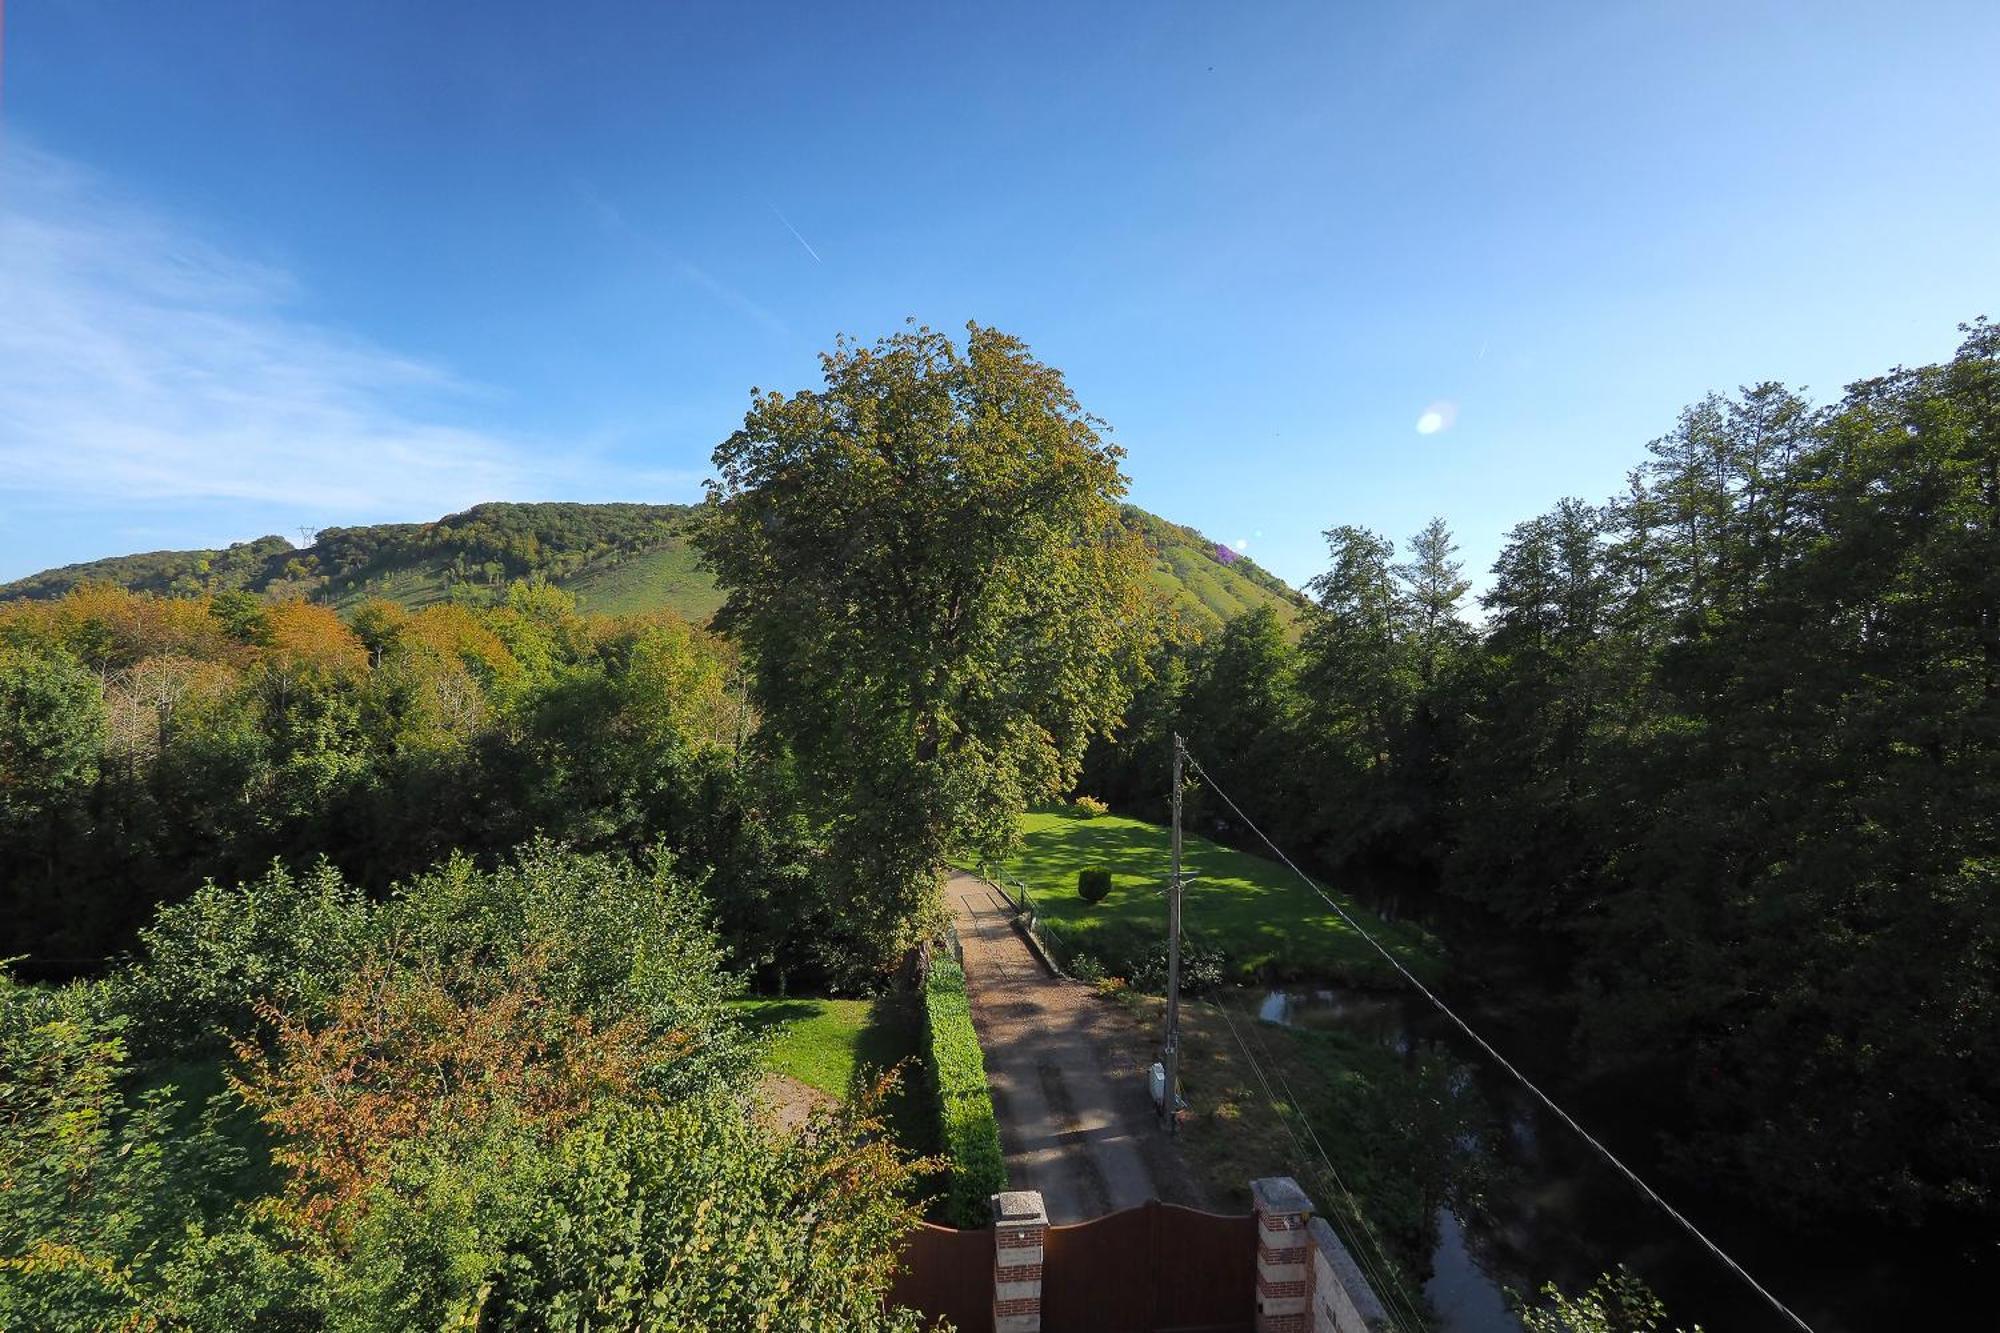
(1306, 1280)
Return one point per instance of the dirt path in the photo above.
(1075, 1118)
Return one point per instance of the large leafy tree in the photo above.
(51, 731)
(924, 561)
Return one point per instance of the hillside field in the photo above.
(619, 559)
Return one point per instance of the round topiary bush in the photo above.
(1093, 886)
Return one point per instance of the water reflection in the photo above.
(1550, 1211)
(1463, 1296)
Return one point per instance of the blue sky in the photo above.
(265, 266)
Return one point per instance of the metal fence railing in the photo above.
(1054, 947)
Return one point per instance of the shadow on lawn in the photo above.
(769, 1014)
(892, 1037)
(1266, 922)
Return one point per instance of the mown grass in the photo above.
(832, 1045)
(1256, 913)
(817, 1042)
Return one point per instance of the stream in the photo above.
(1556, 1212)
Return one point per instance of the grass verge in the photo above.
(1378, 1140)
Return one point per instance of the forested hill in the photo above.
(616, 558)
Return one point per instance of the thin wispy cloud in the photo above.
(795, 234)
(612, 220)
(139, 363)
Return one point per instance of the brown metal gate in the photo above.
(1157, 1268)
(947, 1274)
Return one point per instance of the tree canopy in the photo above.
(1716, 775)
(925, 565)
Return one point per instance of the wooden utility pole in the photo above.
(1170, 1104)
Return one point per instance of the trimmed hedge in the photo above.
(968, 1129)
(1093, 886)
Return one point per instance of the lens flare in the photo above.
(1438, 416)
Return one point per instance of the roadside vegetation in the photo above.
(1247, 918)
(1399, 1139)
(967, 1126)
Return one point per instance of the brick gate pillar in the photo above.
(1284, 1263)
(1020, 1230)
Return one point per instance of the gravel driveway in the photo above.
(1075, 1118)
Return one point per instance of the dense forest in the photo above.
(152, 743)
(1719, 759)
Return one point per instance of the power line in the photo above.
(1384, 1287)
(1353, 1200)
(1387, 1282)
(1506, 1064)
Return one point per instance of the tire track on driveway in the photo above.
(1076, 1121)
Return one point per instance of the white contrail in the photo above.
(795, 235)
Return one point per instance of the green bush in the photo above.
(204, 963)
(500, 1099)
(1093, 886)
(1089, 807)
(970, 1133)
(1616, 1303)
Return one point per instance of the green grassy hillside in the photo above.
(617, 559)
(1208, 582)
(668, 575)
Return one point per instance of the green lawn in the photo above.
(817, 1042)
(1256, 912)
(830, 1044)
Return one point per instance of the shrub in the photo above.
(509, 1100)
(1089, 807)
(1201, 969)
(1616, 1303)
(691, 1216)
(1093, 886)
(648, 1220)
(116, 1199)
(969, 1131)
(205, 963)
